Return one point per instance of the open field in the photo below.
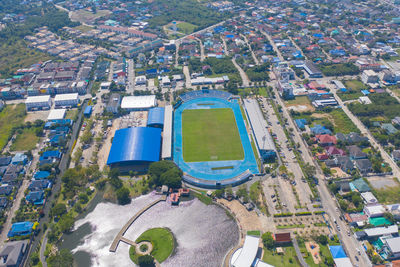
(300, 103)
(26, 140)
(22, 57)
(388, 195)
(10, 117)
(210, 135)
(342, 122)
(84, 28)
(88, 17)
(354, 88)
(185, 27)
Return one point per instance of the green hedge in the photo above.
(283, 214)
(304, 213)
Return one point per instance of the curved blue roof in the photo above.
(135, 144)
(156, 116)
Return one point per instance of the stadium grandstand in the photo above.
(135, 148)
(156, 117)
(212, 168)
(166, 153)
(246, 256)
(264, 141)
(136, 103)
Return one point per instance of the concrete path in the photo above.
(243, 75)
(120, 234)
(42, 250)
(298, 253)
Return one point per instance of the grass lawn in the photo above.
(288, 259)
(71, 114)
(323, 250)
(18, 55)
(349, 95)
(299, 100)
(342, 122)
(25, 141)
(355, 85)
(10, 117)
(84, 28)
(185, 27)
(210, 135)
(388, 195)
(162, 241)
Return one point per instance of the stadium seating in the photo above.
(238, 179)
(205, 93)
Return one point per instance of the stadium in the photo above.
(210, 137)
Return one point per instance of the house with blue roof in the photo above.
(35, 197)
(6, 190)
(50, 157)
(337, 252)
(60, 130)
(54, 123)
(19, 159)
(3, 203)
(21, 229)
(39, 185)
(319, 129)
(57, 139)
(41, 175)
(301, 123)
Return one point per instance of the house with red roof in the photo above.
(332, 151)
(326, 139)
(282, 238)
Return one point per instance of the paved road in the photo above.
(243, 75)
(56, 188)
(226, 52)
(328, 201)
(21, 192)
(251, 50)
(202, 55)
(131, 77)
(273, 45)
(366, 132)
(42, 250)
(188, 80)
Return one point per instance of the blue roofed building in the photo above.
(135, 148)
(21, 229)
(41, 175)
(301, 123)
(156, 117)
(50, 157)
(319, 129)
(88, 111)
(62, 122)
(35, 197)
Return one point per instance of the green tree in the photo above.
(123, 196)
(322, 239)
(268, 240)
(63, 258)
(146, 261)
(58, 210)
(164, 172)
(65, 223)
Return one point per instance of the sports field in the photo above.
(210, 135)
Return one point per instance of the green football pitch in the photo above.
(210, 135)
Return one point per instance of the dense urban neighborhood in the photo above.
(200, 133)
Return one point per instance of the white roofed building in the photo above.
(166, 152)
(66, 100)
(144, 102)
(56, 114)
(38, 102)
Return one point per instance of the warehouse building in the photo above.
(156, 117)
(114, 103)
(56, 114)
(137, 103)
(38, 102)
(66, 100)
(312, 70)
(264, 141)
(135, 149)
(166, 153)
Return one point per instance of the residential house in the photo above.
(369, 198)
(35, 197)
(6, 190)
(351, 138)
(41, 175)
(391, 247)
(5, 161)
(39, 185)
(319, 129)
(360, 185)
(19, 159)
(333, 151)
(374, 211)
(13, 253)
(12, 174)
(356, 153)
(363, 165)
(389, 128)
(356, 219)
(21, 229)
(396, 155)
(326, 139)
(3, 203)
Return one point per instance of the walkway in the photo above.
(298, 253)
(120, 237)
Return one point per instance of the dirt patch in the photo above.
(337, 172)
(105, 148)
(37, 115)
(313, 248)
(382, 182)
(300, 108)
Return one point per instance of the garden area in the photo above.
(162, 241)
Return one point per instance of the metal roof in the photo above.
(37, 99)
(135, 144)
(167, 133)
(259, 125)
(62, 97)
(138, 102)
(56, 114)
(156, 116)
(248, 253)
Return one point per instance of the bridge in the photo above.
(120, 235)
